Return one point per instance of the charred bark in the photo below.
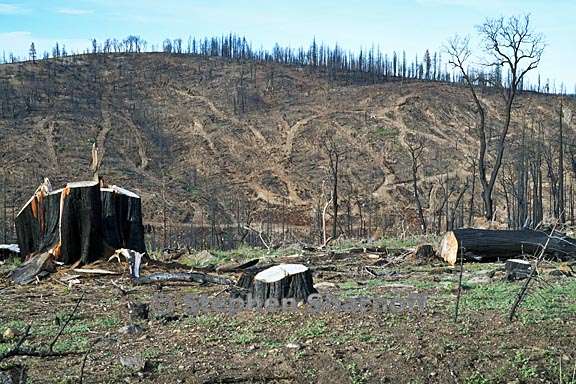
(490, 245)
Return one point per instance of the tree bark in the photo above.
(491, 245)
(284, 281)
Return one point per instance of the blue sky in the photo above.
(411, 25)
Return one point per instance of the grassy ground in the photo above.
(303, 347)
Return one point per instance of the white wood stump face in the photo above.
(278, 272)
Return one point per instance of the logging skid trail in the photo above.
(47, 128)
(184, 112)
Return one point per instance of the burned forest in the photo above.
(199, 210)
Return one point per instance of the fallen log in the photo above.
(194, 277)
(234, 267)
(36, 266)
(135, 259)
(490, 245)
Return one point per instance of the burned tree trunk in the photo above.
(81, 222)
(37, 223)
(81, 231)
(122, 219)
(491, 245)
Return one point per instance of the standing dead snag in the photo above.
(416, 151)
(335, 152)
(513, 45)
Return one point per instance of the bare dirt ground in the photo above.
(302, 347)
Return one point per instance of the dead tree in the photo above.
(472, 193)
(335, 152)
(561, 192)
(416, 152)
(512, 44)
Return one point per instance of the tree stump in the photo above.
(282, 282)
(81, 222)
(517, 269)
(81, 231)
(424, 252)
(122, 219)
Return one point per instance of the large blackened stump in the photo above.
(50, 226)
(28, 226)
(81, 231)
(37, 223)
(122, 219)
(283, 281)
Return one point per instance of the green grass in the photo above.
(313, 328)
(525, 370)
(74, 343)
(386, 242)
(245, 337)
(10, 264)
(544, 300)
(357, 376)
(477, 378)
(206, 321)
(388, 132)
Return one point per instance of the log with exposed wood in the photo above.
(491, 245)
(279, 282)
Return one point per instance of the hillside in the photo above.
(218, 141)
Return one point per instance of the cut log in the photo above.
(517, 269)
(490, 245)
(283, 281)
(194, 277)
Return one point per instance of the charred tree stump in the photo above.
(37, 223)
(424, 252)
(122, 219)
(517, 269)
(490, 245)
(282, 282)
(81, 222)
(81, 231)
